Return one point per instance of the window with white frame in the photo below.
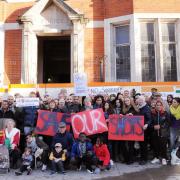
(122, 53)
(148, 52)
(168, 38)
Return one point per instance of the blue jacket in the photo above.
(30, 116)
(75, 152)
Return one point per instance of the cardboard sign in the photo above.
(47, 123)
(126, 128)
(24, 102)
(80, 84)
(89, 122)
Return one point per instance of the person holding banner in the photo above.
(144, 110)
(87, 104)
(127, 147)
(160, 134)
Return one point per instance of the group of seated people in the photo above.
(96, 152)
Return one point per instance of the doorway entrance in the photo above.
(54, 59)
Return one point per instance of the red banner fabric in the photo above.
(47, 123)
(126, 128)
(90, 122)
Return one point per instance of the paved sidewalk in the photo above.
(117, 170)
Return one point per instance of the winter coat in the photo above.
(65, 139)
(102, 153)
(6, 114)
(76, 149)
(163, 120)
(30, 116)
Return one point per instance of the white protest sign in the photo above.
(24, 102)
(80, 84)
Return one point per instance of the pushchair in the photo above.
(4, 160)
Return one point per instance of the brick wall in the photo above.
(157, 6)
(13, 46)
(94, 49)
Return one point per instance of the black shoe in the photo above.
(142, 162)
(29, 170)
(18, 173)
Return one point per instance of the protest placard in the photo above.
(128, 128)
(90, 122)
(24, 102)
(47, 123)
(80, 84)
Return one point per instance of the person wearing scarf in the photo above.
(175, 121)
(160, 133)
(11, 141)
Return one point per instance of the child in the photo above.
(27, 159)
(82, 152)
(57, 157)
(102, 153)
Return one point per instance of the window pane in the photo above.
(147, 32)
(148, 62)
(169, 62)
(168, 32)
(123, 63)
(122, 34)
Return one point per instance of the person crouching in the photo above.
(27, 159)
(57, 157)
(82, 152)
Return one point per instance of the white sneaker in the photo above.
(155, 161)
(79, 169)
(111, 162)
(90, 171)
(164, 162)
(44, 167)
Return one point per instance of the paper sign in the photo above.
(24, 102)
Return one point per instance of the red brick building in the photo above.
(111, 40)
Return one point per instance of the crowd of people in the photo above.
(28, 150)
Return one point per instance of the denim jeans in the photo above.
(174, 134)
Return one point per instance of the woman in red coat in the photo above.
(102, 153)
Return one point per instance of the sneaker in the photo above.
(44, 167)
(18, 173)
(90, 171)
(29, 170)
(155, 161)
(111, 162)
(164, 162)
(52, 172)
(79, 169)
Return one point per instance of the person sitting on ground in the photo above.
(102, 153)
(39, 149)
(27, 160)
(82, 152)
(57, 157)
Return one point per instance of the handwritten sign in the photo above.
(24, 102)
(47, 123)
(126, 128)
(80, 84)
(89, 122)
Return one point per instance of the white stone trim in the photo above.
(17, 1)
(95, 24)
(2, 44)
(134, 21)
(12, 26)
